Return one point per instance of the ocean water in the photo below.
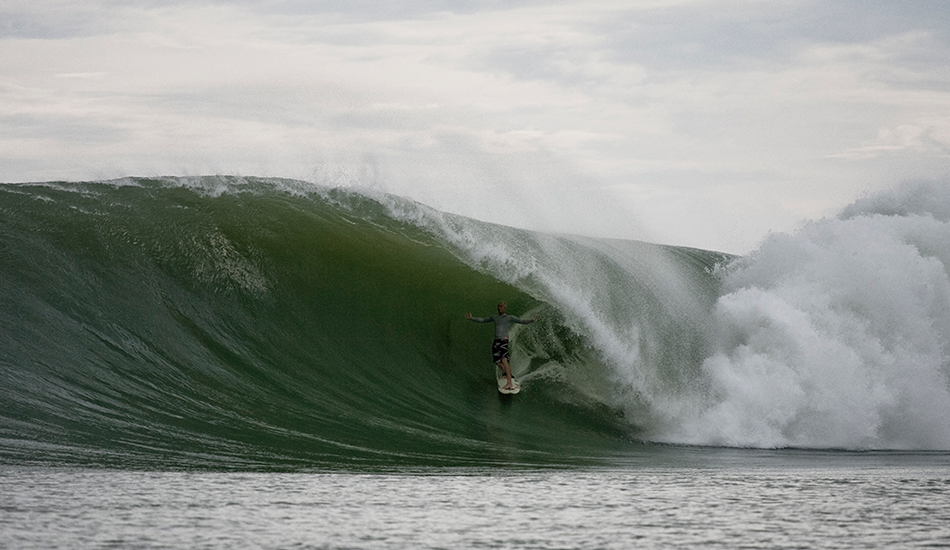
(699, 499)
(224, 362)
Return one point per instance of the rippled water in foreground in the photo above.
(745, 502)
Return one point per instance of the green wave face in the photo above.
(217, 322)
(264, 324)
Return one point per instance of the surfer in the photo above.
(499, 348)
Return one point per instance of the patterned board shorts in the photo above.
(499, 350)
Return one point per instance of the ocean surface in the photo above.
(220, 362)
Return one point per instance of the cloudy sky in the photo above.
(705, 123)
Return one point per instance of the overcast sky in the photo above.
(704, 123)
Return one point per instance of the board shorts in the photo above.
(499, 350)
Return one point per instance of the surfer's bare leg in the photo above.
(506, 368)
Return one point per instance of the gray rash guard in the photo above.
(502, 323)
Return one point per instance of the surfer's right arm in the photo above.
(477, 319)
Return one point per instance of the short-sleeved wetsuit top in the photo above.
(502, 323)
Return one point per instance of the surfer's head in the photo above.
(502, 306)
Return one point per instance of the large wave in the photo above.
(270, 323)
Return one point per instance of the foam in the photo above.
(836, 336)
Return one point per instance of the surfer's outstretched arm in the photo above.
(522, 321)
(478, 319)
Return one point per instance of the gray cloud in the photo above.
(723, 34)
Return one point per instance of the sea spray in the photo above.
(835, 336)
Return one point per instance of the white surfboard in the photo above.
(503, 380)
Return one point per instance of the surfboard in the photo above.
(502, 380)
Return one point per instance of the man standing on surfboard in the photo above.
(499, 348)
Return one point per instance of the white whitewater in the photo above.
(835, 336)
